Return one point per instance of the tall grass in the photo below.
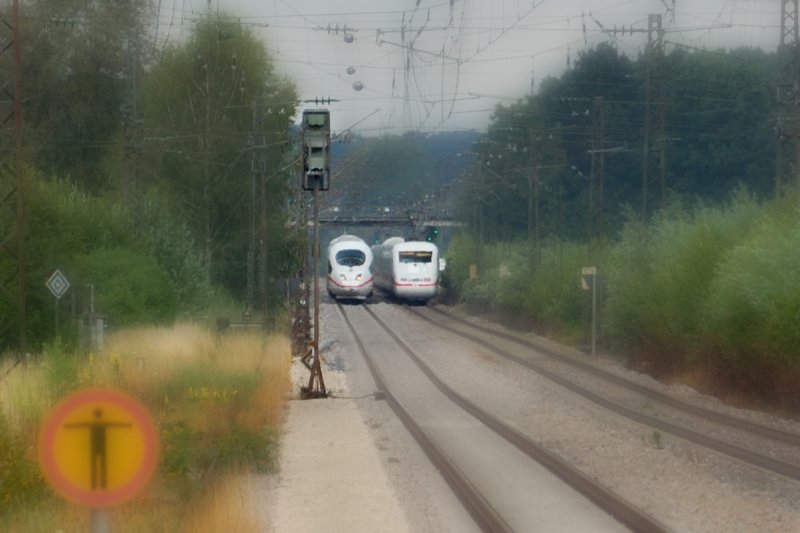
(216, 399)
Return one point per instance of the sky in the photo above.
(391, 66)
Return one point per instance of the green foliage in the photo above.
(556, 295)
(696, 278)
(20, 480)
(548, 292)
(193, 444)
(752, 308)
(719, 113)
(210, 100)
(460, 255)
(204, 382)
(660, 275)
(141, 259)
(180, 447)
(255, 447)
(130, 288)
(78, 76)
(723, 103)
(61, 369)
(174, 247)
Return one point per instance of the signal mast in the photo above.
(316, 145)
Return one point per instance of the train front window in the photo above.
(416, 257)
(351, 258)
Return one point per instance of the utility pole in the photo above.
(788, 122)
(534, 177)
(13, 284)
(653, 121)
(254, 209)
(130, 122)
(653, 136)
(595, 223)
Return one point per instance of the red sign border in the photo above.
(67, 488)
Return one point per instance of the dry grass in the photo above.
(23, 400)
(218, 386)
(225, 506)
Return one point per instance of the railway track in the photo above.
(530, 358)
(472, 495)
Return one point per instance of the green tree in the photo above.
(130, 287)
(721, 121)
(99, 242)
(718, 134)
(81, 58)
(214, 110)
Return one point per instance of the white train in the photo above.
(407, 269)
(349, 268)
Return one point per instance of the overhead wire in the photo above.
(429, 70)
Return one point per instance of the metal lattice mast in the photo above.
(595, 225)
(653, 131)
(12, 246)
(787, 136)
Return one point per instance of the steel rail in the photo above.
(780, 435)
(625, 512)
(485, 516)
(777, 466)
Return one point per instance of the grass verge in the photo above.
(216, 399)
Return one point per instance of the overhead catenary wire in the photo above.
(477, 23)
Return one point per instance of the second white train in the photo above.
(407, 269)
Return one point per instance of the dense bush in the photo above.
(140, 260)
(752, 309)
(130, 288)
(697, 280)
(557, 296)
(508, 281)
(460, 254)
(20, 480)
(659, 275)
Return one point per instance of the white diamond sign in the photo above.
(58, 284)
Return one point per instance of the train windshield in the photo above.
(416, 257)
(350, 258)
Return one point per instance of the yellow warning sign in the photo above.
(98, 447)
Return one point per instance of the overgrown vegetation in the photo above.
(217, 401)
(708, 290)
(139, 169)
(537, 169)
(694, 238)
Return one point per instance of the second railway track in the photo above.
(482, 504)
(487, 338)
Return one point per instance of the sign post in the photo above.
(589, 282)
(98, 448)
(58, 285)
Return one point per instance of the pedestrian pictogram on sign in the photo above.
(98, 447)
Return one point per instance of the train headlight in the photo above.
(342, 277)
(358, 277)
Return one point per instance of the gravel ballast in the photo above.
(683, 485)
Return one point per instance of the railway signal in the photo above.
(432, 234)
(316, 143)
(316, 135)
